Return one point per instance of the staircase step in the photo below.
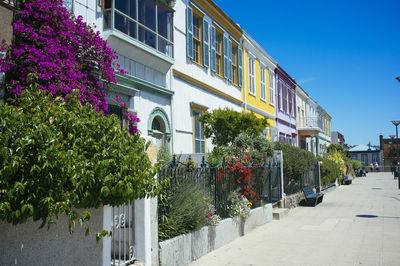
(279, 213)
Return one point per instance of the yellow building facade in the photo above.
(258, 92)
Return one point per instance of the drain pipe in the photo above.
(172, 113)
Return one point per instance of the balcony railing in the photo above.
(308, 122)
(118, 20)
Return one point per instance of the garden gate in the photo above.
(122, 243)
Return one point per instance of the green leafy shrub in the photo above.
(224, 125)
(330, 171)
(182, 210)
(57, 156)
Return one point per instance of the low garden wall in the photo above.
(184, 249)
(25, 244)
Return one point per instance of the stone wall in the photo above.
(293, 200)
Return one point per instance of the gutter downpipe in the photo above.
(172, 113)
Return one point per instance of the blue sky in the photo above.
(345, 54)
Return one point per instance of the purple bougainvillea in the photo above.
(63, 52)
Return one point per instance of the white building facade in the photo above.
(207, 74)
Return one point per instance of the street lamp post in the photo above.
(396, 124)
(391, 153)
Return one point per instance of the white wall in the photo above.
(301, 103)
(144, 104)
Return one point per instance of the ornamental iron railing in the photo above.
(294, 184)
(260, 183)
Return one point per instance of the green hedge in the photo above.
(295, 160)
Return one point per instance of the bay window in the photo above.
(148, 21)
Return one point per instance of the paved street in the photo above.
(355, 225)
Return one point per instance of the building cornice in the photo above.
(205, 86)
(284, 74)
(260, 112)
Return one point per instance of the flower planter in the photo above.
(184, 249)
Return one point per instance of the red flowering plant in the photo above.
(241, 177)
(64, 52)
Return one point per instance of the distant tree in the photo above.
(334, 147)
(224, 125)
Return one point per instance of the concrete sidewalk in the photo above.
(355, 225)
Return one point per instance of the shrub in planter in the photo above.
(182, 210)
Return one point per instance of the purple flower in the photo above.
(64, 53)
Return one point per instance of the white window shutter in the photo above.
(189, 32)
(213, 39)
(240, 67)
(206, 44)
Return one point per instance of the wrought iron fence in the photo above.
(294, 184)
(258, 182)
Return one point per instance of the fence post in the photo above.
(281, 166)
(269, 171)
(318, 177)
(107, 225)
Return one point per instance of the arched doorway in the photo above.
(159, 128)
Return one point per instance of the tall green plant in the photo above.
(224, 125)
(163, 154)
(182, 209)
(330, 171)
